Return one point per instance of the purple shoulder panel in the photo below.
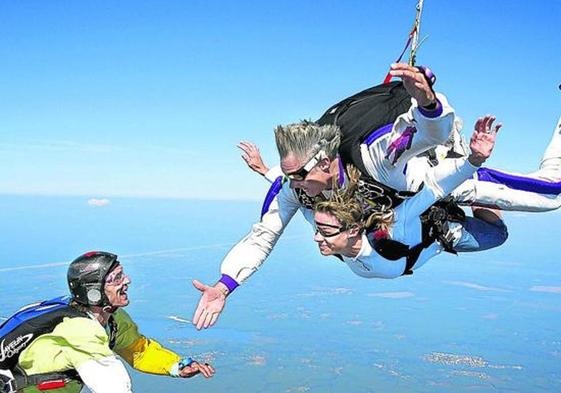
(518, 182)
(376, 134)
(271, 194)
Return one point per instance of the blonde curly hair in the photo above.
(351, 209)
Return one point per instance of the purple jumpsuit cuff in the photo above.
(230, 283)
(434, 113)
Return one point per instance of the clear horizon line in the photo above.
(129, 196)
(135, 255)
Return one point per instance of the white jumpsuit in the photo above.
(385, 156)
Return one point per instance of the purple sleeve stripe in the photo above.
(341, 178)
(376, 134)
(230, 283)
(436, 112)
(518, 182)
(273, 192)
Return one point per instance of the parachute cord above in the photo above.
(412, 40)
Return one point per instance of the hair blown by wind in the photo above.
(352, 209)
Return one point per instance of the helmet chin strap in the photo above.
(106, 305)
(110, 309)
(103, 312)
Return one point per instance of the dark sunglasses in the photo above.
(300, 174)
(330, 234)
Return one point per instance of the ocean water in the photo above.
(483, 322)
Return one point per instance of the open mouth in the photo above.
(122, 293)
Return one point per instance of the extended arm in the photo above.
(428, 122)
(386, 151)
(447, 175)
(148, 355)
(450, 173)
(247, 255)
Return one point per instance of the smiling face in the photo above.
(116, 287)
(331, 236)
(316, 180)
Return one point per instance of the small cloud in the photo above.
(539, 288)
(490, 316)
(298, 389)
(327, 292)
(188, 343)
(392, 295)
(95, 202)
(340, 291)
(475, 286)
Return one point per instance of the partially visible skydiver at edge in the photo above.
(65, 344)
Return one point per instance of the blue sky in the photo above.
(106, 99)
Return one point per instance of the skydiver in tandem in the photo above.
(388, 243)
(377, 244)
(396, 112)
(371, 131)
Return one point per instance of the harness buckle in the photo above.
(370, 189)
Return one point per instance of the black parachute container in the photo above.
(363, 114)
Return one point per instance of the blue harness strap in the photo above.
(271, 194)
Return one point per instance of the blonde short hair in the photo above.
(306, 138)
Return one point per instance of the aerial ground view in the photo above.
(241, 197)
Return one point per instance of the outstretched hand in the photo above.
(415, 83)
(210, 305)
(483, 139)
(197, 368)
(252, 157)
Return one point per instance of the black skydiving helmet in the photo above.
(86, 277)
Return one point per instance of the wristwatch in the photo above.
(185, 362)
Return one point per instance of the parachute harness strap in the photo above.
(388, 77)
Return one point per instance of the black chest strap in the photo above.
(112, 331)
(305, 200)
(22, 380)
(435, 228)
(377, 194)
(371, 193)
